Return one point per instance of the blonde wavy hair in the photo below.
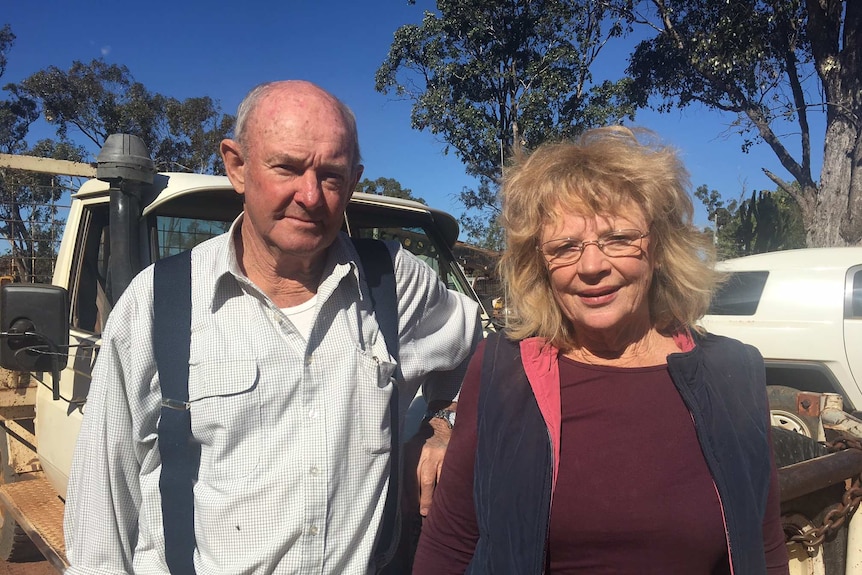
(602, 173)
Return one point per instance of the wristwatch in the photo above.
(446, 415)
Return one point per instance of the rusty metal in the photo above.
(38, 510)
(844, 463)
(841, 423)
(815, 474)
(808, 404)
(796, 526)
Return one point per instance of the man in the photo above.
(289, 376)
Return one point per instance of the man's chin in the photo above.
(304, 247)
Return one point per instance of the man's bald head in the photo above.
(299, 92)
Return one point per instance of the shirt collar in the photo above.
(340, 261)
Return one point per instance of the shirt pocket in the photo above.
(375, 384)
(225, 405)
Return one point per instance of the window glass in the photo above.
(90, 297)
(857, 294)
(739, 294)
(177, 234)
(413, 239)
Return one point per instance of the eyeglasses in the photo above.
(616, 244)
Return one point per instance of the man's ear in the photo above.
(357, 174)
(234, 162)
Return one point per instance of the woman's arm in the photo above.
(450, 531)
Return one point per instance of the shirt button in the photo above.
(313, 414)
(314, 470)
(307, 360)
(313, 530)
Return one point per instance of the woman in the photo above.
(604, 433)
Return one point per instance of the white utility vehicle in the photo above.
(803, 310)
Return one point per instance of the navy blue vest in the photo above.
(721, 381)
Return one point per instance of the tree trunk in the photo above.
(837, 218)
(837, 50)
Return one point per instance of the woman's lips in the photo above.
(598, 297)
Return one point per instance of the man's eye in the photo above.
(287, 169)
(333, 181)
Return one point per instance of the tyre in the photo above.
(15, 545)
(789, 447)
(785, 415)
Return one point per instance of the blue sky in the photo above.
(195, 48)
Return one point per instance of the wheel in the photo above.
(15, 545)
(785, 415)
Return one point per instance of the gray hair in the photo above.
(259, 92)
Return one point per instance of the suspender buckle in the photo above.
(175, 404)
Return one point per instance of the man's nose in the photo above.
(310, 192)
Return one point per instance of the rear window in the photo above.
(857, 295)
(739, 294)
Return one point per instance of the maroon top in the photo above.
(633, 494)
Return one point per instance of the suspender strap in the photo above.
(172, 312)
(172, 308)
(380, 276)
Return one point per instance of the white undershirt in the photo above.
(302, 316)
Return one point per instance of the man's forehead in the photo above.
(301, 103)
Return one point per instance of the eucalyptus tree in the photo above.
(490, 76)
(86, 103)
(387, 187)
(771, 65)
(96, 99)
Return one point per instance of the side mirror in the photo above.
(34, 329)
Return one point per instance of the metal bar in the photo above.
(809, 476)
(842, 422)
(47, 165)
(38, 510)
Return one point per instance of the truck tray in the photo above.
(38, 510)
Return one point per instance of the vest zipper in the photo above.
(724, 522)
(550, 504)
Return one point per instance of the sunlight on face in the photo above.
(601, 294)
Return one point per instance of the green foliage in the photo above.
(93, 101)
(15, 115)
(196, 126)
(15, 118)
(99, 99)
(765, 222)
(387, 187)
(482, 226)
(484, 233)
(728, 55)
(717, 211)
(7, 38)
(29, 219)
(488, 76)
(770, 221)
